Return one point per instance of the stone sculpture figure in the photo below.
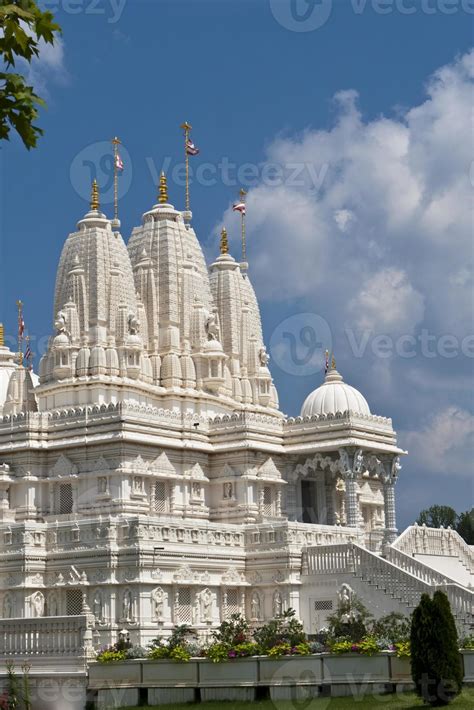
(37, 604)
(7, 607)
(206, 605)
(277, 604)
(157, 598)
(263, 357)
(127, 605)
(255, 606)
(97, 606)
(212, 326)
(228, 492)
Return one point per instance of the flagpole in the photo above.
(116, 142)
(20, 332)
(244, 238)
(186, 128)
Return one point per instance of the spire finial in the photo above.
(333, 362)
(2, 336)
(95, 204)
(224, 241)
(163, 190)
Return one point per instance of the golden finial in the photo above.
(163, 190)
(333, 363)
(242, 193)
(95, 196)
(224, 241)
(2, 336)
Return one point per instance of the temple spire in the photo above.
(224, 241)
(163, 190)
(95, 204)
(2, 336)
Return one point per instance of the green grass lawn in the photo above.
(405, 701)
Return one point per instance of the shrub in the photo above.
(394, 626)
(402, 649)
(180, 654)
(136, 652)
(280, 649)
(284, 629)
(341, 647)
(232, 632)
(350, 620)
(435, 659)
(111, 655)
(317, 647)
(467, 643)
(218, 652)
(368, 646)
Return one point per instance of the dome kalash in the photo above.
(150, 323)
(334, 396)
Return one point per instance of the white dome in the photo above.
(333, 396)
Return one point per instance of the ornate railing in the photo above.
(45, 636)
(419, 539)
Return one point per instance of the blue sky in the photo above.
(372, 236)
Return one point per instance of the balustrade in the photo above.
(46, 636)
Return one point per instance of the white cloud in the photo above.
(391, 222)
(384, 243)
(445, 444)
(387, 303)
(48, 66)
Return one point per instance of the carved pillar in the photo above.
(352, 512)
(389, 478)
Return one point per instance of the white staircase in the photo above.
(402, 578)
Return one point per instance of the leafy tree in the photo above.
(22, 26)
(435, 659)
(437, 516)
(465, 526)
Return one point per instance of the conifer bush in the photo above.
(435, 658)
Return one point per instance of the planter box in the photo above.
(468, 660)
(237, 672)
(125, 673)
(400, 669)
(291, 670)
(169, 674)
(350, 668)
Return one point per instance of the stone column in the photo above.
(352, 512)
(389, 478)
(350, 468)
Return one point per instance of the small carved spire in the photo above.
(95, 204)
(224, 241)
(163, 190)
(2, 336)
